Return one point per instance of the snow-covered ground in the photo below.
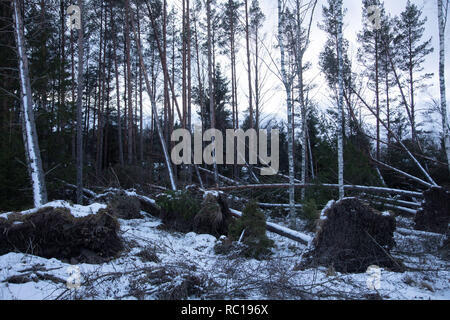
(158, 264)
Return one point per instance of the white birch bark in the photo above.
(288, 86)
(30, 138)
(300, 52)
(340, 100)
(445, 125)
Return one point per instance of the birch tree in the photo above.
(442, 16)
(340, 48)
(287, 82)
(29, 132)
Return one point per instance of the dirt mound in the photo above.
(187, 211)
(352, 236)
(55, 233)
(434, 216)
(214, 216)
(125, 207)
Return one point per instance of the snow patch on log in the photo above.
(76, 210)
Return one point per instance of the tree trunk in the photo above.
(30, 137)
(119, 117)
(80, 109)
(249, 66)
(445, 125)
(130, 85)
(211, 86)
(288, 86)
(141, 115)
(340, 100)
(154, 108)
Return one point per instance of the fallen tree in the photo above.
(282, 231)
(277, 205)
(148, 205)
(331, 186)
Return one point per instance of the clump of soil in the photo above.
(251, 230)
(186, 211)
(434, 216)
(56, 233)
(352, 236)
(214, 216)
(125, 207)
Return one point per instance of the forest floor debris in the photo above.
(185, 266)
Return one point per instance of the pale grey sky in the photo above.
(352, 25)
(275, 98)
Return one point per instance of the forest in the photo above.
(94, 95)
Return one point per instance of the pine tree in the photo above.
(210, 42)
(80, 108)
(336, 65)
(230, 32)
(257, 19)
(412, 51)
(370, 56)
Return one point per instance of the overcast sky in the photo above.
(274, 94)
(352, 25)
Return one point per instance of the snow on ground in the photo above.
(77, 211)
(159, 264)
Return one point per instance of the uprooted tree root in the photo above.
(187, 211)
(214, 216)
(434, 216)
(56, 233)
(351, 237)
(125, 207)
